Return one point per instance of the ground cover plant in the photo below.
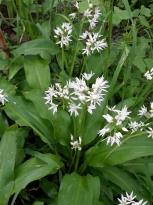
(76, 102)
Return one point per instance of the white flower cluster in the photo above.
(76, 143)
(63, 34)
(92, 16)
(93, 42)
(3, 97)
(77, 94)
(130, 199)
(145, 112)
(149, 74)
(115, 125)
(135, 126)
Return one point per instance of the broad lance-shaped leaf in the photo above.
(7, 163)
(35, 169)
(132, 147)
(37, 72)
(60, 120)
(25, 114)
(36, 47)
(79, 190)
(122, 179)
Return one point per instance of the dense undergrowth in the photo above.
(76, 102)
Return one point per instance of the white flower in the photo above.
(130, 199)
(3, 97)
(93, 42)
(63, 34)
(87, 76)
(88, 13)
(53, 108)
(115, 139)
(76, 144)
(77, 94)
(73, 109)
(150, 132)
(91, 107)
(76, 5)
(135, 126)
(103, 131)
(108, 118)
(50, 93)
(100, 85)
(72, 16)
(94, 20)
(149, 74)
(122, 115)
(142, 111)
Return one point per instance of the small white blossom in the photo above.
(150, 132)
(130, 199)
(149, 74)
(87, 76)
(122, 115)
(92, 16)
(135, 126)
(63, 34)
(93, 42)
(91, 107)
(115, 139)
(50, 93)
(72, 16)
(53, 108)
(142, 111)
(76, 4)
(73, 109)
(108, 118)
(3, 97)
(88, 13)
(76, 144)
(103, 131)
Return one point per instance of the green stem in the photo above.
(62, 59)
(76, 49)
(72, 162)
(77, 161)
(14, 199)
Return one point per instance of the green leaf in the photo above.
(38, 203)
(144, 165)
(119, 15)
(25, 114)
(36, 97)
(61, 124)
(37, 47)
(37, 72)
(92, 125)
(144, 21)
(122, 179)
(79, 190)
(15, 66)
(7, 164)
(8, 88)
(132, 147)
(145, 11)
(35, 169)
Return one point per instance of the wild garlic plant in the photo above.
(88, 135)
(89, 36)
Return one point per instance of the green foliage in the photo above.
(78, 188)
(57, 158)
